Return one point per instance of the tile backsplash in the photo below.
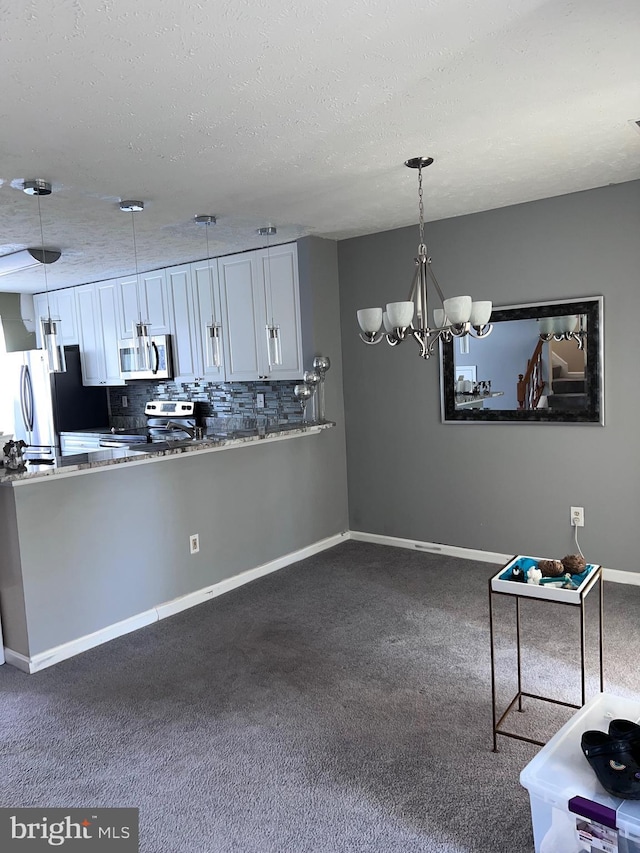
(217, 400)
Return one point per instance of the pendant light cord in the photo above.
(213, 306)
(269, 274)
(44, 266)
(135, 258)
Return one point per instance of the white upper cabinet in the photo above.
(207, 311)
(63, 308)
(98, 308)
(144, 298)
(278, 275)
(194, 299)
(186, 361)
(260, 289)
(238, 291)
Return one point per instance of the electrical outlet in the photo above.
(125, 401)
(259, 400)
(194, 543)
(577, 516)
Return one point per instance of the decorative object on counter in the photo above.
(534, 575)
(274, 348)
(459, 315)
(321, 363)
(312, 379)
(214, 327)
(141, 335)
(13, 455)
(575, 564)
(50, 344)
(551, 568)
(303, 392)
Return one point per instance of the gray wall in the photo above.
(111, 544)
(498, 487)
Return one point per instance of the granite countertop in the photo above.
(137, 454)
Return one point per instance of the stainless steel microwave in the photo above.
(161, 366)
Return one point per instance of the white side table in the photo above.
(500, 585)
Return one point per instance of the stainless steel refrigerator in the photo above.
(46, 404)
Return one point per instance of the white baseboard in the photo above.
(432, 547)
(89, 641)
(613, 575)
(618, 576)
(162, 611)
(169, 608)
(206, 594)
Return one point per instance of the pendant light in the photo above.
(274, 348)
(141, 336)
(214, 327)
(54, 350)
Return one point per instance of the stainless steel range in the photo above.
(171, 420)
(167, 420)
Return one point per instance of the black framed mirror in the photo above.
(542, 363)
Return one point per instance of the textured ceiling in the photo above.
(298, 114)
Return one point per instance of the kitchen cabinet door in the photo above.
(244, 314)
(258, 289)
(207, 311)
(278, 277)
(109, 308)
(143, 298)
(91, 353)
(98, 312)
(63, 308)
(186, 358)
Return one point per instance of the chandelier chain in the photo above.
(422, 249)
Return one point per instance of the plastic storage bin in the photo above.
(566, 796)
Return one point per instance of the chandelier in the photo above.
(459, 316)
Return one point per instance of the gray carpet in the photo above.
(341, 704)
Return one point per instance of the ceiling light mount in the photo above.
(268, 231)
(131, 206)
(205, 219)
(418, 162)
(37, 187)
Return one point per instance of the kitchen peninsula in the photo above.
(99, 548)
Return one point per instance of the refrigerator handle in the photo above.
(156, 354)
(27, 398)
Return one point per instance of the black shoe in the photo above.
(612, 761)
(629, 732)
